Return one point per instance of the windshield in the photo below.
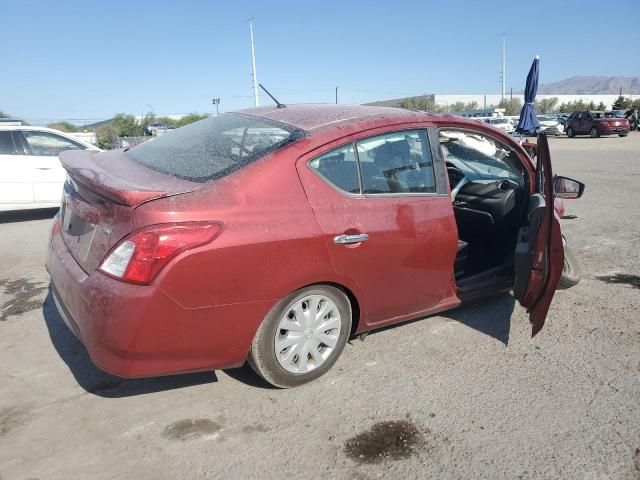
(212, 148)
(479, 157)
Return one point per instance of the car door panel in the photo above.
(16, 186)
(406, 264)
(539, 252)
(48, 175)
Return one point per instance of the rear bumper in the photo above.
(138, 331)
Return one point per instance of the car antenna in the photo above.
(279, 105)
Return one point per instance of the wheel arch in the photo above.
(356, 311)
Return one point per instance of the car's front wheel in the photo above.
(302, 336)
(571, 270)
(570, 132)
(594, 132)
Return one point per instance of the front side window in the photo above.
(338, 167)
(7, 147)
(49, 144)
(398, 162)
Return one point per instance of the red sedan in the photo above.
(274, 234)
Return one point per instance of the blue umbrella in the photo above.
(528, 122)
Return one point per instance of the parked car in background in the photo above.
(550, 125)
(31, 174)
(154, 128)
(596, 124)
(275, 234)
(562, 118)
(633, 116)
(501, 123)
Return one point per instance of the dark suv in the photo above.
(596, 124)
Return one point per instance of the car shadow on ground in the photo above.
(490, 316)
(27, 215)
(97, 382)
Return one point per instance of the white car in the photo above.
(550, 125)
(31, 175)
(501, 123)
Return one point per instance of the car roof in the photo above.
(311, 117)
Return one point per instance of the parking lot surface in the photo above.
(465, 394)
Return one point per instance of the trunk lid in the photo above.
(100, 196)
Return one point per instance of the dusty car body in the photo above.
(595, 124)
(318, 222)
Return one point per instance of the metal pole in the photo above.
(253, 61)
(504, 66)
(336, 95)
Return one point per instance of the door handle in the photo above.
(347, 239)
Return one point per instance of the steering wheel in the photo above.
(461, 180)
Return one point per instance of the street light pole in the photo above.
(216, 102)
(253, 61)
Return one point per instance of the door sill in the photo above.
(483, 284)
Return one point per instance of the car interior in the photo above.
(488, 185)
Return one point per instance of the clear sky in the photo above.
(90, 59)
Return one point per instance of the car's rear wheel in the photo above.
(594, 132)
(622, 134)
(570, 132)
(571, 270)
(302, 336)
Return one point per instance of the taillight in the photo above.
(139, 257)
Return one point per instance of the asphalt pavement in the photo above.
(466, 394)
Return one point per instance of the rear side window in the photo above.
(213, 148)
(398, 162)
(339, 167)
(7, 147)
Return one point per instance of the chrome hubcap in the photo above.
(307, 334)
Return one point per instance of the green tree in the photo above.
(622, 103)
(106, 136)
(461, 107)
(511, 107)
(192, 117)
(576, 106)
(126, 125)
(63, 126)
(4, 115)
(546, 105)
(425, 102)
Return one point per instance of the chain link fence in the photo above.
(123, 142)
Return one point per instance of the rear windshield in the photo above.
(212, 148)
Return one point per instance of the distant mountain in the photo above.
(592, 85)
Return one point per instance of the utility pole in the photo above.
(426, 94)
(504, 65)
(253, 61)
(336, 95)
(216, 102)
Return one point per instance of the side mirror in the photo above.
(567, 188)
